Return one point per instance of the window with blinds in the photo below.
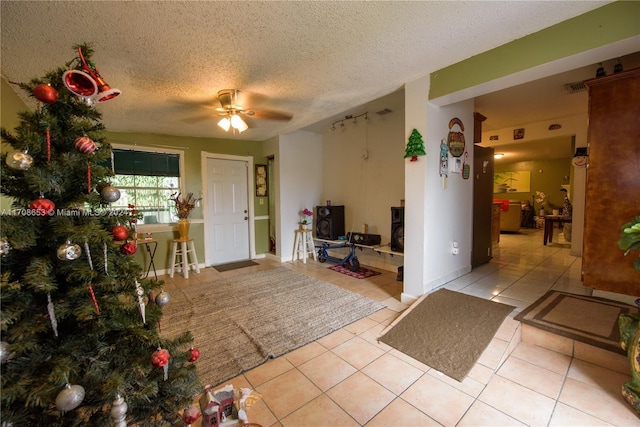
(146, 179)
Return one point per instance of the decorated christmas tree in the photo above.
(415, 146)
(80, 340)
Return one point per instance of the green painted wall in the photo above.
(600, 27)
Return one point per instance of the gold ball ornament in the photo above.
(69, 251)
(19, 160)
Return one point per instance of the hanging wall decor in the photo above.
(444, 159)
(415, 146)
(261, 181)
(581, 157)
(466, 169)
(455, 140)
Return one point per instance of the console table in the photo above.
(549, 220)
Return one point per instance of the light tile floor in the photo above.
(349, 379)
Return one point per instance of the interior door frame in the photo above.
(204, 156)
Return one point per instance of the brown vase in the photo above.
(183, 228)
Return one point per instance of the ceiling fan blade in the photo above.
(268, 115)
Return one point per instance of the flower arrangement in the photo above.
(630, 239)
(184, 205)
(134, 214)
(541, 198)
(304, 214)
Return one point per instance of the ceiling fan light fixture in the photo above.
(238, 123)
(225, 123)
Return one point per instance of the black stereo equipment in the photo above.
(329, 222)
(397, 229)
(365, 239)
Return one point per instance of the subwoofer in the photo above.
(329, 222)
(397, 229)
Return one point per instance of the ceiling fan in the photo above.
(232, 110)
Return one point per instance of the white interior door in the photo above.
(227, 211)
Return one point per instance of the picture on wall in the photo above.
(518, 133)
(512, 182)
(261, 181)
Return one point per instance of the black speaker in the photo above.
(397, 229)
(329, 222)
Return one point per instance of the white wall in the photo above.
(363, 169)
(438, 210)
(298, 169)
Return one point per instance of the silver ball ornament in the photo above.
(4, 246)
(110, 194)
(70, 398)
(5, 354)
(69, 251)
(162, 298)
(19, 160)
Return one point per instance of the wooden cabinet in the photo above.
(477, 127)
(613, 181)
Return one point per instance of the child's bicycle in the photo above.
(350, 261)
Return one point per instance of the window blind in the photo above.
(131, 162)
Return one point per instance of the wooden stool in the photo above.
(180, 251)
(304, 238)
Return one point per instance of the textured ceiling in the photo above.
(313, 60)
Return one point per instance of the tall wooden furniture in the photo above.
(613, 181)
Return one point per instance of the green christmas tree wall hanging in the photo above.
(80, 334)
(415, 146)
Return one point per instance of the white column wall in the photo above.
(298, 169)
(438, 212)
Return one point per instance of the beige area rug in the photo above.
(238, 323)
(447, 330)
(583, 318)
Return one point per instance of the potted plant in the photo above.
(541, 199)
(629, 324)
(184, 206)
(304, 214)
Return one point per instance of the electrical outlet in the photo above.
(454, 248)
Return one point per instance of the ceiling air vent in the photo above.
(383, 112)
(575, 87)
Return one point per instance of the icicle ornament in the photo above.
(141, 304)
(88, 252)
(104, 254)
(52, 315)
